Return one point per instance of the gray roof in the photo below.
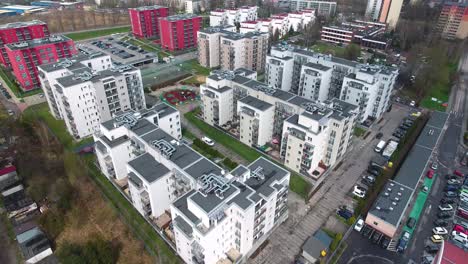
(243, 71)
(132, 177)
(203, 166)
(181, 205)
(180, 17)
(183, 225)
(143, 126)
(314, 247)
(319, 67)
(32, 242)
(256, 103)
(241, 79)
(37, 42)
(272, 173)
(185, 156)
(22, 24)
(114, 143)
(210, 202)
(72, 63)
(144, 8)
(242, 199)
(239, 170)
(148, 167)
(164, 109)
(384, 202)
(216, 29)
(285, 96)
(341, 109)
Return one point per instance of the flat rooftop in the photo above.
(256, 103)
(22, 24)
(38, 42)
(272, 173)
(180, 17)
(144, 8)
(148, 168)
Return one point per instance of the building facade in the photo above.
(179, 32)
(453, 20)
(25, 56)
(216, 215)
(193, 6)
(267, 115)
(18, 32)
(223, 17)
(384, 11)
(323, 8)
(88, 89)
(365, 33)
(145, 20)
(221, 47)
(310, 77)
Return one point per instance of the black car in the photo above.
(450, 177)
(444, 215)
(441, 223)
(376, 237)
(366, 231)
(447, 201)
(431, 248)
(379, 135)
(411, 222)
(384, 242)
(373, 172)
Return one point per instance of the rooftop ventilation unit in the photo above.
(258, 173)
(55, 38)
(121, 68)
(127, 119)
(212, 183)
(265, 88)
(65, 63)
(21, 44)
(83, 76)
(164, 147)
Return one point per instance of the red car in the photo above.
(462, 214)
(430, 174)
(458, 228)
(458, 173)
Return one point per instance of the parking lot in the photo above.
(121, 51)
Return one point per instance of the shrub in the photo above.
(229, 163)
(351, 220)
(97, 250)
(53, 222)
(336, 241)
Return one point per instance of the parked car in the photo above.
(431, 248)
(459, 228)
(10, 112)
(447, 201)
(359, 191)
(368, 180)
(462, 213)
(434, 165)
(208, 141)
(450, 194)
(403, 243)
(458, 173)
(379, 135)
(439, 231)
(441, 222)
(385, 242)
(453, 181)
(430, 173)
(345, 213)
(444, 215)
(411, 222)
(459, 237)
(449, 177)
(359, 224)
(437, 238)
(373, 172)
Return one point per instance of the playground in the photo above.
(179, 96)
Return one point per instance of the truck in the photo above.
(389, 149)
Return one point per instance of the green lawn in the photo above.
(193, 65)
(359, 131)
(15, 88)
(297, 184)
(441, 91)
(322, 47)
(97, 33)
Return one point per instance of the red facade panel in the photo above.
(145, 20)
(179, 32)
(25, 57)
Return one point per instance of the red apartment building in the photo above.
(20, 31)
(145, 20)
(179, 32)
(26, 55)
(453, 20)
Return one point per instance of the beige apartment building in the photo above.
(221, 47)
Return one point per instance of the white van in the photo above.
(380, 146)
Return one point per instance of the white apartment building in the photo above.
(315, 82)
(87, 89)
(256, 121)
(216, 214)
(323, 8)
(229, 217)
(220, 17)
(324, 86)
(193, 6)
(280, 22)
(218, 47)
(373, 9)
(336, 118)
